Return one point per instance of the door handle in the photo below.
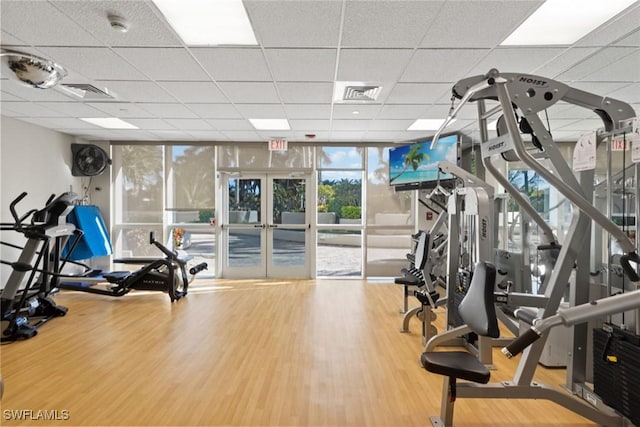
(273, 225)
(258, 226)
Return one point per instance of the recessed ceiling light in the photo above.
(355, 112)
(209, 22)
(270, 124)
(109, 123)
(564, 22)
(428, 124)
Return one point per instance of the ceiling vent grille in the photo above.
(361, 93)
(87, 91)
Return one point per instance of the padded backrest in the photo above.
(422, 250)
(477, 308)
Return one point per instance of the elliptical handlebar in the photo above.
(172, 255)
(19, 219)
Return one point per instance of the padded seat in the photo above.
(456, 364)
(477, 310)
(409, 280)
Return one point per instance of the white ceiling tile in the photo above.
(615, 29)
(268, 134)
(24, 92)
(440, 111)
(309, 125)
(230, 124)
(41, 23)
(598, 88)
(378, 23)
(570, 112)
(416, 93)
(93, 63)
(624, 69)
(346, 136)
(378, 135)
(136, 91)
(516, 59)
(194, 92)
(632, 40)
(630, 93)
(307, 65)
(391, 111)
(262, 111)
(564, 61)
(476, 23)
(233, 64)
(305, 93)
(586, 125)
(308, 111)
(304, 136)
(346, 111)
(76, 109)
(595, 62)
(207, 135)
(215, 111)
(295, 24)
(30, 109)
(250, 92)
(441, 65)
(172, 135)
(350, 125)
(372, 65)
(121, 109)
(9, 40)
(164, 63)
(6, 96)
(145, 26)
(390, 125)
(241, 135)
(59, 123)
(189, 124)
(173, 111)
(150, 124)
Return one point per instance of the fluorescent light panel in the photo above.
(427, 124)
(270, 124)
(209, 22)
(109, 123)
(562, 22)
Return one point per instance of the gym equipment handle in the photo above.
(523, 341)
(626, 265)
(198, 268)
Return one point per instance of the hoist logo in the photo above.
(534, 82)
(484, 225)
(495, 146)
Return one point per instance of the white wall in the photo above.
(32, 159)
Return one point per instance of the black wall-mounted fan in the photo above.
(88, 160)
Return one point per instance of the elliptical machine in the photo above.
(168, 274)
(24, 308)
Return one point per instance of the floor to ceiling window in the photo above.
(360, 226)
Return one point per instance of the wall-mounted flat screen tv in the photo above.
(415, 166)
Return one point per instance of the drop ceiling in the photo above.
(415, 50)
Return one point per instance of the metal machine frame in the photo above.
(531, 94)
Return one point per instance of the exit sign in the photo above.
(279, 144)
(619, 144)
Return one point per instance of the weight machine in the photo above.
(530, 95)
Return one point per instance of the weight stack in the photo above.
(616, 356)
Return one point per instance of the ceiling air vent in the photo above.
(361, 93)
(87, 91)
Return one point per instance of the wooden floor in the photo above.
(244, 353)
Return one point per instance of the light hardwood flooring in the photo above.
(245, 353)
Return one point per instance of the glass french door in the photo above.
(266, 226)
